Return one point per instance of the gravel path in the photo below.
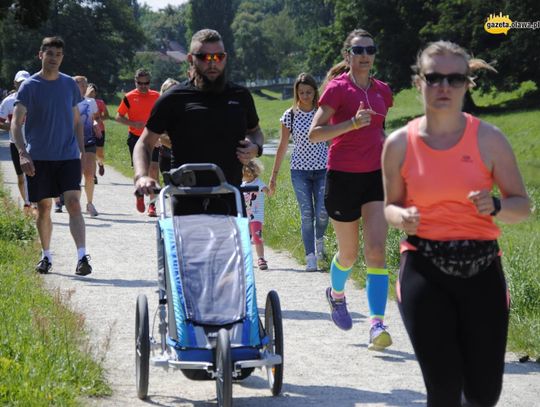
(323, 366)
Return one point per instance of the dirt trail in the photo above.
(323, 366)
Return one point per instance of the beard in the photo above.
(207, 85)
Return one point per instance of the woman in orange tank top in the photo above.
(439, 172)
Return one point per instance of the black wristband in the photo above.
(259, 150)
(496, 205)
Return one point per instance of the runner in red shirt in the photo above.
(134, 111)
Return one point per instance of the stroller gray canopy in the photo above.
(211, 266)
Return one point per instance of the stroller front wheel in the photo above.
(223, 369)
(273, 327)
(142, 346)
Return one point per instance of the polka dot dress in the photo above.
(306, 155)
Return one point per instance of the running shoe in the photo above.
(44, 265)
(140, 203)
(152, 210)
(58, 207)
(262, 264)
(83, 266)
(338, 308)
(311, 262)
(101, 170)
(91, 209)
(319, 248)
(379, 338)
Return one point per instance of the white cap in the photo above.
(21, 76)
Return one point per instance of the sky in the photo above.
(158, 4)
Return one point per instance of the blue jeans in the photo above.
(309, 189)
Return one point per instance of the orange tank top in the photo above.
(438, 182)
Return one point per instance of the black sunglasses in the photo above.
(455, 80)
(207, 57)
(359, 50)
(143, 83)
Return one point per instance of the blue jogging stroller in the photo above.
(207, 316)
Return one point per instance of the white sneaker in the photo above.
(91, 209)
(311, 262)
(319, 248)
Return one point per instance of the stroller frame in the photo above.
(165, 351)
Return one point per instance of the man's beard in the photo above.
(215, 86)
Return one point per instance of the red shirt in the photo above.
(101, 108)
(357, 150)
(138, 106)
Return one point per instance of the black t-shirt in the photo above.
(205, 127)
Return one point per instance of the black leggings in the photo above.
(458, 330)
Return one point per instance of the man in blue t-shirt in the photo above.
(54, 142)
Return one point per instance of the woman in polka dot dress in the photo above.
(351, 115)
(308, 167)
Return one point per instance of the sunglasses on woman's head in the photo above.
(359, 50)
(207, 57)
(455, 80)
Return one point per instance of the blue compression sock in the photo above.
(377, 292)
(338, 276)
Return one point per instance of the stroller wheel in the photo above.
(274, 329)
(223, 369)
(142, 346)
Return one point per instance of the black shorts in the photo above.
(346, 192)
(53, 178)
(132, 140)
(15, 158)
(100, 142)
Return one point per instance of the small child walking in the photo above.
(255, 207)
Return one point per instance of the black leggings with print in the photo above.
(458, 330)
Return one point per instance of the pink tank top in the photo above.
(438, 182)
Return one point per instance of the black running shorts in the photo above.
(346, 192)
(53, 178)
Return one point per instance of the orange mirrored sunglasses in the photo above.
(216, 57)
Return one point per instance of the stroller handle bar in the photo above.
(181, 181)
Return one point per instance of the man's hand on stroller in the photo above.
(145, 185)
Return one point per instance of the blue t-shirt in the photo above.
(49, 126)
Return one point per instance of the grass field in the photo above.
(45, 357)
(520, 243)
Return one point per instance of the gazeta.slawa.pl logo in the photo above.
(498, 24)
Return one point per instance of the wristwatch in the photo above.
(259, 149)
(496, 205)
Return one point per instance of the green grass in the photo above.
(45, 357)
(270, 107)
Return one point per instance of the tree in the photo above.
(168, 24)
(101, 37)
(252, 47)
(516, 55)
(214, 14)
(29, 13)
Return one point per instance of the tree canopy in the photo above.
(265, 39)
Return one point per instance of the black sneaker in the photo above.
(58, 207)
(83, 266)
(43, 266)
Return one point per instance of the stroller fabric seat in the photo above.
(210, 279)
(211, 268)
